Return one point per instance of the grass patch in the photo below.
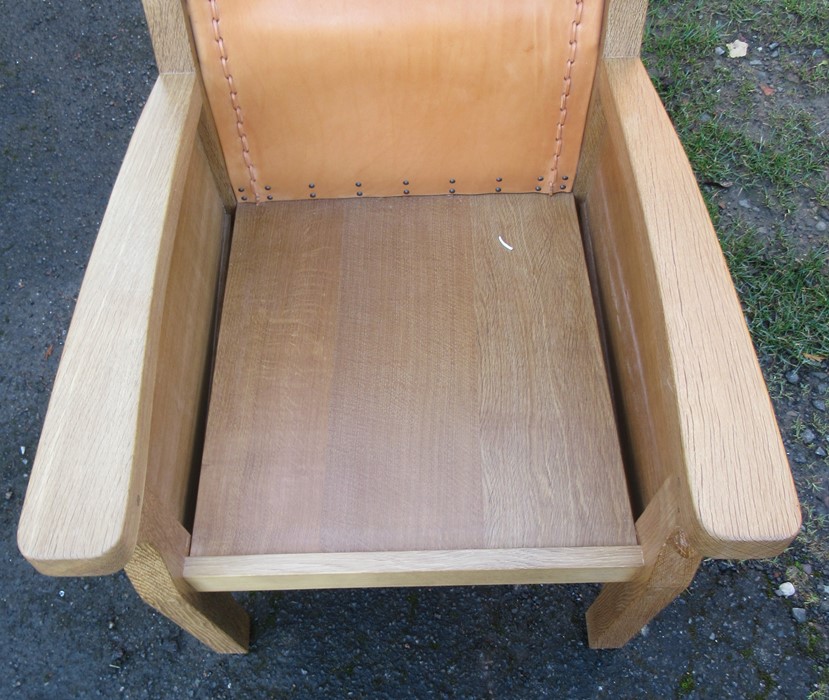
(785, 295)
(769, 146)
(785, 153)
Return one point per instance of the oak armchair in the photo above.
(405, 294)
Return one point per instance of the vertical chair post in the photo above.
(622, 609)
(172, 39)
(155, 571)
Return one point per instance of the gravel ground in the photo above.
(73, 79)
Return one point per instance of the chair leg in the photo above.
(623, 609)
(155, 572)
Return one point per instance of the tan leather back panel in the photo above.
(388, 97)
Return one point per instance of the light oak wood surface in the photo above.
(692, 396)
(184, 350)
(156, 572)
(670, 562)
(83, 502)
(622, 28)
(433, 568)
(390, 377)
(175, 52)
(169, 29)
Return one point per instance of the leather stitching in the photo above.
(565, 93)
(234, 98)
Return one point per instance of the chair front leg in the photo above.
(155, 571)
(623, 609)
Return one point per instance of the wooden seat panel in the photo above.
(391, 376)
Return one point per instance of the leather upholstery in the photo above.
(380, 97)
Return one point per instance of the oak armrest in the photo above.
(83, 503)
(692, 398)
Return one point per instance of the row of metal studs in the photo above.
(358, 184)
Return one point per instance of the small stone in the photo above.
(774, 45)
(775, 53)
(745, 204)
(799, 614)
(720, 51)
(645, 631)
(9, 495)
(821, 226)
(793, 377)
(807, 568)
(808, 436)
(712, 636)
(824, 213)
(793, 77)
(755, 62)
(819, 404)
(822, 388)
(786, 589)
(820, 452)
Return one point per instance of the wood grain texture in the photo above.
(623, 27)
(390, 377)
(84, 497)
(432, 568)
(209, 138)
(623, 609)
(175, 52)
(692, 395)
(184, 350)
(594, 137)
(169, 30)
(411, 97)
(156, 572)
(403, 427)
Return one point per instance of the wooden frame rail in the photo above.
(429, 568)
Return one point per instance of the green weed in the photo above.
(785, 294)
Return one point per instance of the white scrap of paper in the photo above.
(737, 49)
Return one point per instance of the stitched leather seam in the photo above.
(234, 98)
(565, 93)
